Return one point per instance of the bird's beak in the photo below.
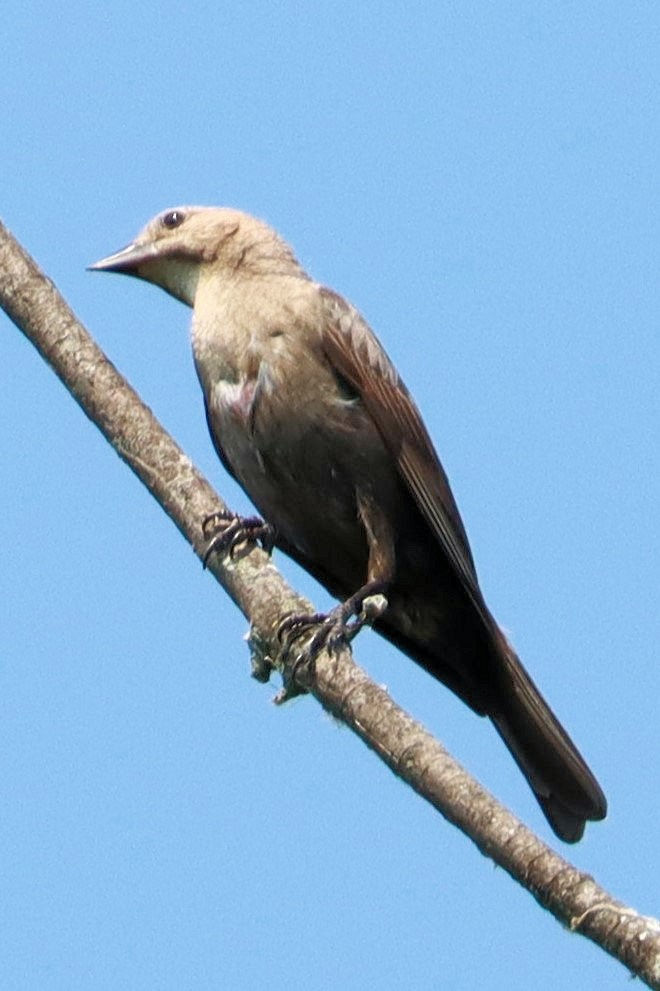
(127, 260)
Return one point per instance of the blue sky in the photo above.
(481, 180)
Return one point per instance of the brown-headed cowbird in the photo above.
(308, 413)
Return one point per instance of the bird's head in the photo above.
(178, 244)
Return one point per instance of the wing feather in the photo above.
(354, 351)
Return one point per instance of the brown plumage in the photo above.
(308, 413)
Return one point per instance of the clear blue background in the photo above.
(482, 181)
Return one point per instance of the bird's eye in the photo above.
(174, 218)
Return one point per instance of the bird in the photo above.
(308, 413)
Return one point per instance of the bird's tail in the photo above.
(564, 786)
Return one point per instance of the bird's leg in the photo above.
(228, 532)
(366, 605)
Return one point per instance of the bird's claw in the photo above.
(334, 628)
(295, 626)
(329, 631)
(291, 629)
(226, 532)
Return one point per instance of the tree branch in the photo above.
(38, 310)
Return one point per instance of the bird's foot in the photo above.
(328, 630)
(228, 533)
(336, 627)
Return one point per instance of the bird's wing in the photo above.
(355, 353)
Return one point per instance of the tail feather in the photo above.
(479, 665)
(563, 785)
